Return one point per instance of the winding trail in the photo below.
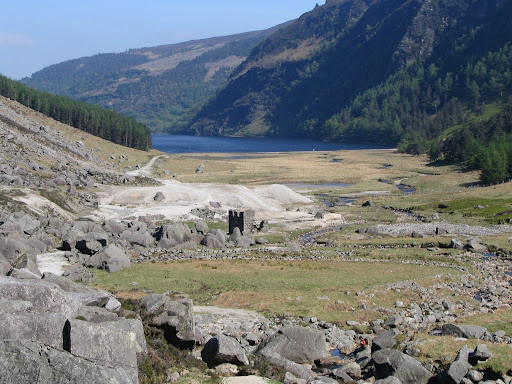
(146, 170)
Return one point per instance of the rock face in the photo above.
(63, 349)
(24, 361)
(389, 362)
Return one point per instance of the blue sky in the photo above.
(38, 33)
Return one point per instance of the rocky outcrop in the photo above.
(174, 317)
(62, 348)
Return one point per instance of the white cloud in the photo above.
(15, 40)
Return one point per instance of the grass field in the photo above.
(325, 289)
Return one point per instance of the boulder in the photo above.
(474, 245)
(23, 361)
(389, 362)
(111, 258)
(84, 294)
(175, 318)
(466, 331)
(458, 369)
(297, 344)
(105, 344)
(223, 349)
(456, 244)
(45, 297)
(159, 196)
(46, 328)
(201, 227)
(353, 370)
(144, 239)
(384, 339)
(95, 314)
(91, 243)
(481, 353)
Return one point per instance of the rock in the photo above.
(353, 370)
(84, 294)
(23, 361)
(368, 203)
(475, 376)
(459, 368)
(171, 235)
(456, 244)
(111, 258)
(46, 328)
(5, 266)
(473, 245)
(91, 243)
(226, 370)
(104, 344)
(79, 274)
(262, 241)
(388, 380)
(175, 318)
(289, 378)
(201, 227)
(384, 339)
(113, 227)
(394, 321)
(481, 353)
(297, 344)
(389, 362)
(466, 331)
(159, 196)
(223, 349)
(45, 297)
(144, 239)
(95, 314)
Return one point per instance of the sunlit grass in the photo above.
(315, 288)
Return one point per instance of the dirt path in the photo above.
(146, 170)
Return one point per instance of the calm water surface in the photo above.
(205, 144)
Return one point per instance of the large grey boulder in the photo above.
(389, 362)
(45, 297)
(23, 361)
(144, 239)
(384, 339)
(223, 349)
(174, 317)
(474, 245)
(297, 344)
(46, 328)
(481, 353)
(84, 294)
(105, 344)
(458, 369)
(111, 258)
(171, 235)
(466, 331)
(91, 243)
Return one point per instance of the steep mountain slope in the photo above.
(156, 85)
(301, 76)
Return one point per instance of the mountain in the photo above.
(92, 119)
(381, 71)
(158, 85)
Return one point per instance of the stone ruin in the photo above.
(245, 222)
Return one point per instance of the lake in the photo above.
(208, 144)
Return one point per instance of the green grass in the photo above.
(270, 286)
(495, 210)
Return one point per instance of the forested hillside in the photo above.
(157, 85)
(381, 71)
(98, 121)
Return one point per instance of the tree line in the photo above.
(97, 121)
